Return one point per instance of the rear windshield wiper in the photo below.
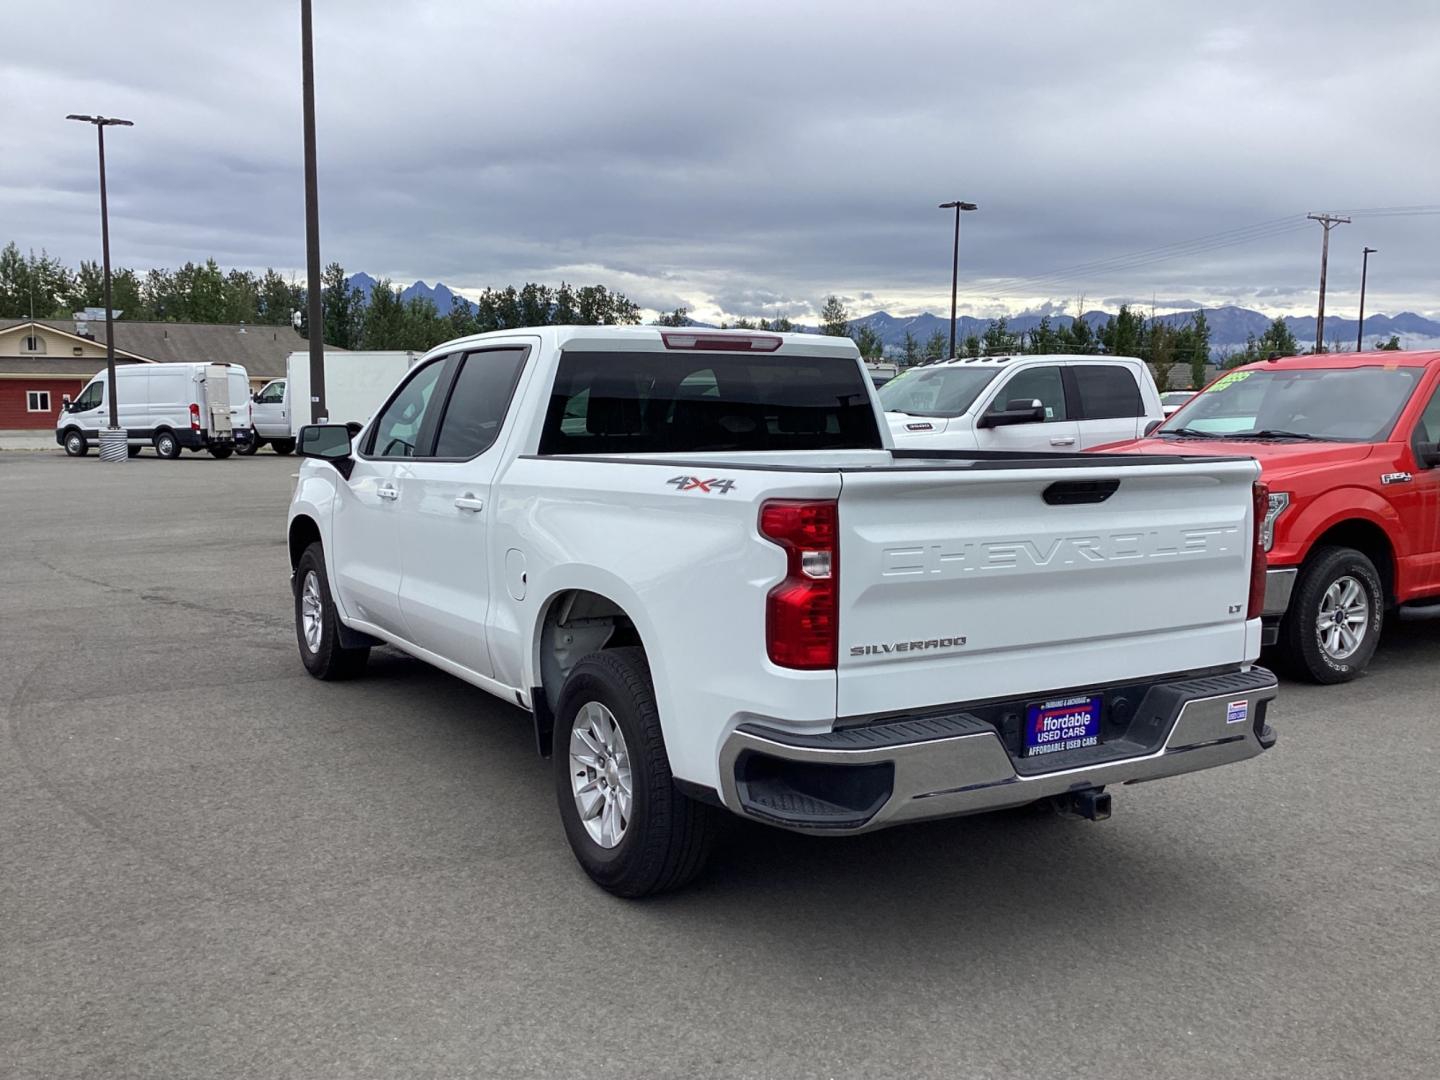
(1188, 432)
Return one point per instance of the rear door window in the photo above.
(1107, 392)
(674, 402)
(478, 402)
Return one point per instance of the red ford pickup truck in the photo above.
(1348, 446)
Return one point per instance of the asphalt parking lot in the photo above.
(215, 866)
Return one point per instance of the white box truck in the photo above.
(355, 385)
(172, 407)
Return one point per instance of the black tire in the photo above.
(669, 835)
(133, 451)
(220, 453)
(1300, 639)
(283, 447)
(75, 444)
(166, 445)
(247, 449)
(328, 659)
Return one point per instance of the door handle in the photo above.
(470, 503)
(1066, 440)
(387, 492)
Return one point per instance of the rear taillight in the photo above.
(1258, 559)
(801, 621)
(194, 417)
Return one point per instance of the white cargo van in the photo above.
(171, 407)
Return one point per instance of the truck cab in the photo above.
(1033, 404)
(1347, 444)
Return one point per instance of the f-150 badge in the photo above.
(694, 483)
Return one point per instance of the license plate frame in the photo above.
(1061, 724)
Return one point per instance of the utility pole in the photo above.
(113, 440)
(316, 315)
(1328, 222)
(955, 264)
(1364, 271)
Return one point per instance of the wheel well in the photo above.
(303, 533)
(576, 623)
(1368, 539)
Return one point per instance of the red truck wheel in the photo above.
(1336, 613)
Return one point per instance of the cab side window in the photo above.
(396, 433)
(1042, 384)
(1427, 430)
(89, 397)
(272, 394)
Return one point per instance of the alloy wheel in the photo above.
(312, 611)
(1344, 618)
(600, 774)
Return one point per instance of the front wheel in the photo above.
(317, 626)
(632, 830)
(75, 444)
(283, 447)
(1335, 617)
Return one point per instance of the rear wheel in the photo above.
(133, 451)
(632, 830)
(317, 626)
(75, 444)
(167, 446)
(1336, 613)
(220, 453)
(283, 446)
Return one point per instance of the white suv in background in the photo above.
(1025, 403)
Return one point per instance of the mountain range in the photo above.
(1229, 325)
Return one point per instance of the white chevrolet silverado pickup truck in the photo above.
(696, 558)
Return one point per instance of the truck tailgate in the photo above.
(971, 583)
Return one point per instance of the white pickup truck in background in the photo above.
(1034, 404)
(698, 560)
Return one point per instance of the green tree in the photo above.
(1393, 345)
(242, 297)
(279, 299)
(834, 319)
(461, 318)
(972, 345)
(1159, 352)
(39, 283)
(679, 317)
(342, 306)
(88, 289)
(1277, 341)
(868, 341)
(383, 324)
(125, 294)
(909, 351)
(779, 325)
(564, 313)
(1046, 338)
(1122, 333)
(998, 339)
(934, 346)
(1196, 349)
(1080, 338)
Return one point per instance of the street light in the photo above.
(113, 446)
(955, 263)
(1364, 270)
(316, 313)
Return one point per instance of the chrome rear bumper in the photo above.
(864, 778)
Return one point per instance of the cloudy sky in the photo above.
(745, 158)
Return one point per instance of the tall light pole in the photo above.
(113, 448)
(1364, 271)
(955, 263)
(312, 222)
(1328, 222)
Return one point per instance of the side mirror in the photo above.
(327, 442)
(353, 427)
(1016, 411)
(1427, 454)
(1151, 426)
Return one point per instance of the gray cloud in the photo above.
(741, 158)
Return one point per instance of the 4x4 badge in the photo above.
(694, 483)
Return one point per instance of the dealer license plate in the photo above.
(1064, 724)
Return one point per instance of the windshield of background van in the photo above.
(935, 391)
(1337, 405)
(679, 402)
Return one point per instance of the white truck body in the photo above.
(969, 590)
(1086, 401)
(199, 406)
(355, 385)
